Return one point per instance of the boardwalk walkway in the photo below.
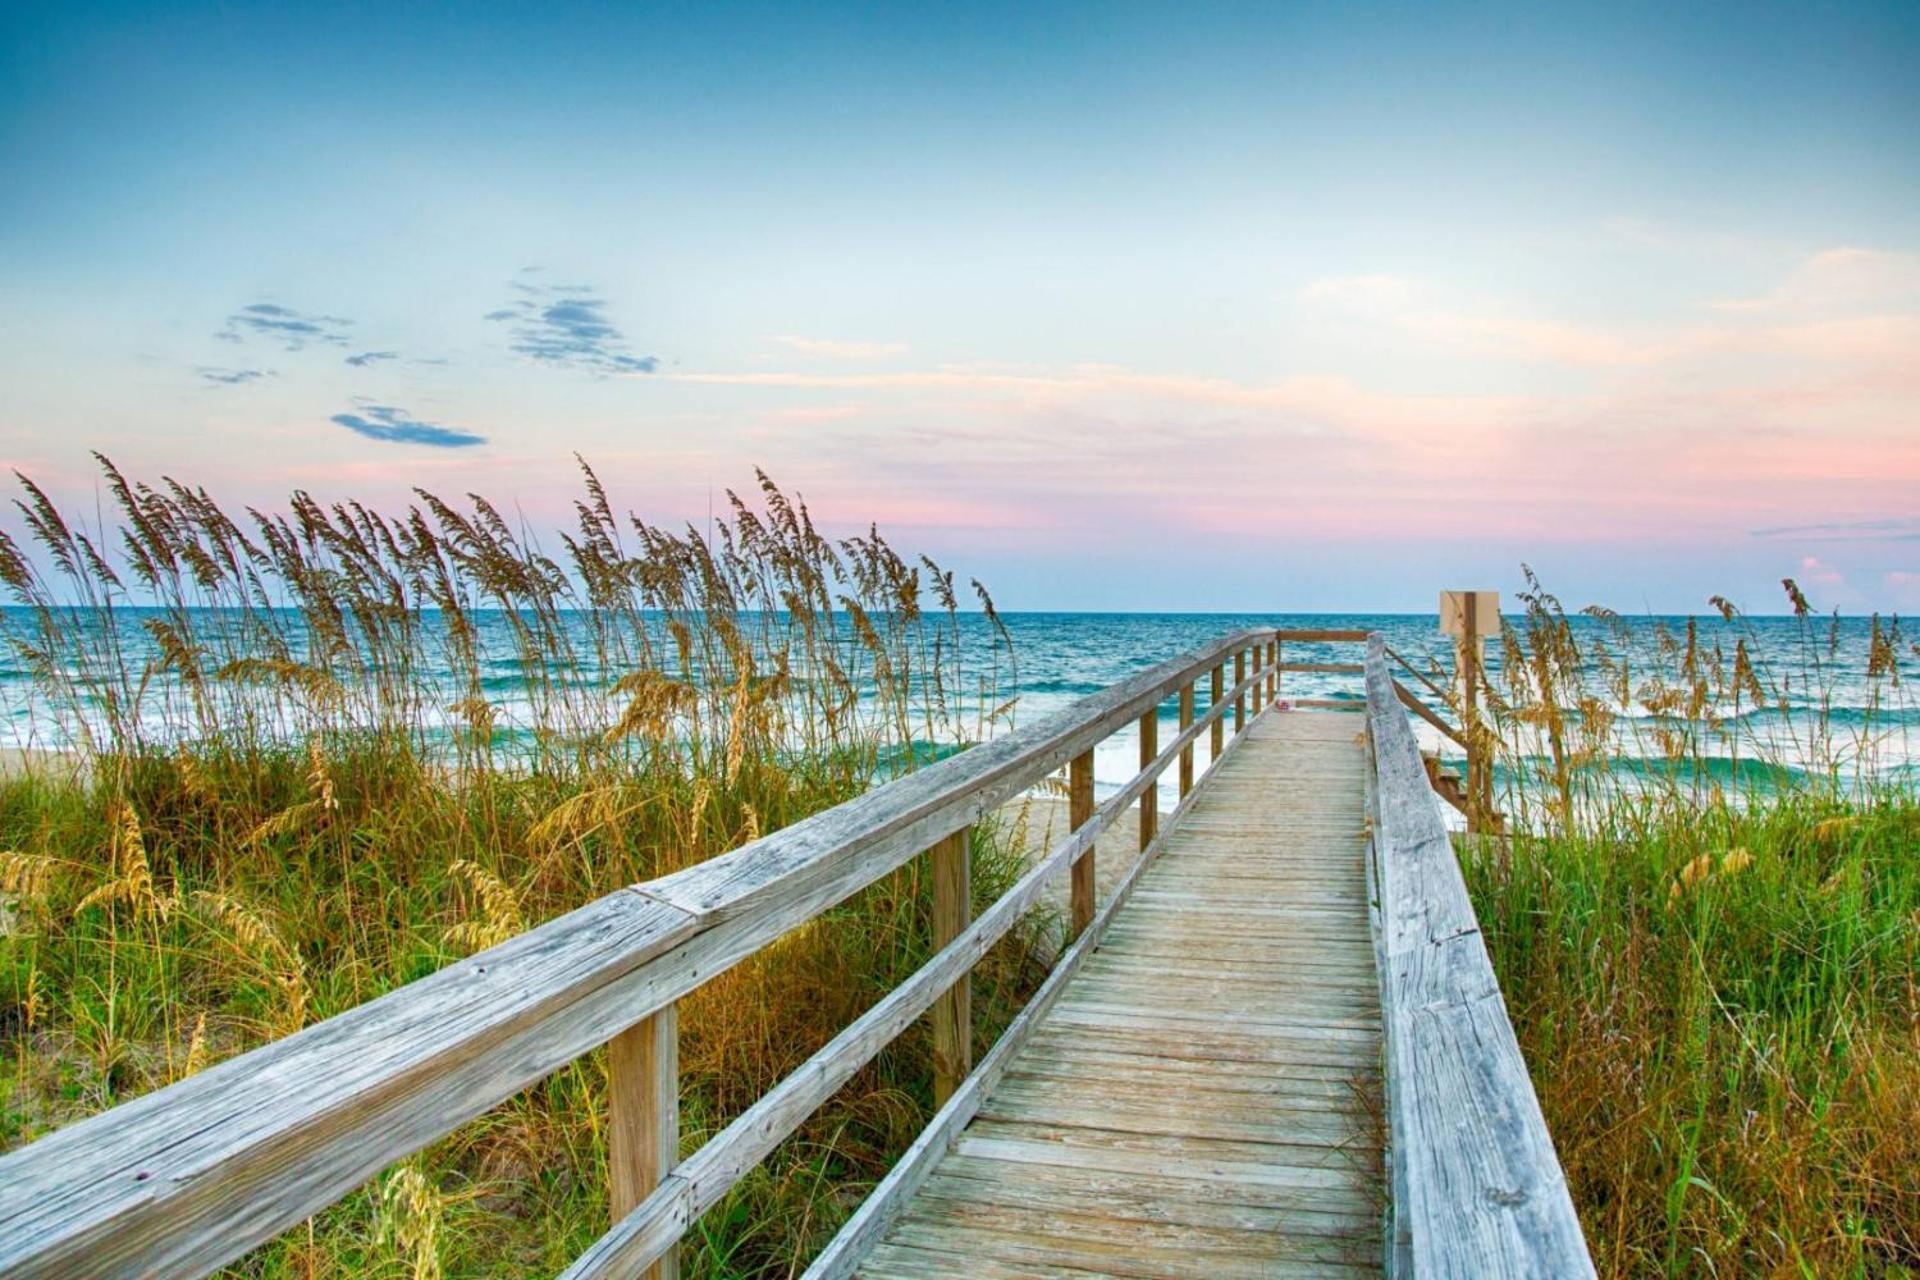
(1203, 1085)
(1204, 1098)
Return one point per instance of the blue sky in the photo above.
(1116, 306)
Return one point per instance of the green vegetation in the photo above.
(317, 841)
(1717, 986)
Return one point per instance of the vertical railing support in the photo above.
(1258, 654)
(1186, 752)
(643, 1118)
(1216, 689)
(1477, 786)
(1239, 694)
(952, 867)
(1079, 810)
(1273, 673)
(1279, 676)
(1150, 798)
(1467, 616)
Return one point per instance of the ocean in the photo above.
(1817, 669)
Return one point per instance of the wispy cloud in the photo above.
(1893, 529)
(1837, 307)
(1845, 280)
(1412, 306)
(231, 377)
(396, 426)
(566, 325)
(291, 329)
(366, 358)
(836, 349)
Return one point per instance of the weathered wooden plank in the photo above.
(1163, 1197)
(179, 1181)
(1149, 825)
(859, 1235)
(643, 1127)
(910, 1263)
(1427, 713)
(1072, 1244)
(1216, 685)
(1226, 1162)
(1068, 1235)
(1085, 885)
(652, 1227)
(1479, 1190)
(1186, 752)
(1311, 635)
(951, 863)
(1259, 1072)
(1259, 1118)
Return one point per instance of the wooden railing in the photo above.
(1476, 1187)
(186, 1179)
(1475, 799)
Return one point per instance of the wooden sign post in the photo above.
(1468, 616)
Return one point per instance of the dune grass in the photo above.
(332, 751)
(1715, 979)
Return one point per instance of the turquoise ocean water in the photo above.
(1820, 665)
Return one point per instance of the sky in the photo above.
(1173, 307)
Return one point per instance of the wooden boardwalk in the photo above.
(1204, 1098)
(1204, 1084)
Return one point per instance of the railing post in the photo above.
(952, 866)
(1079, 810)
(1463, 614)
(1273, 674)
(643, 1120)
(1186, 752)
(1279, 652)
(1257, 656)
(1150, 798)
(1239, 694)
(1216, 689)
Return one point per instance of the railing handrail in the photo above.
(646, 1233)
(1476, 1187)
(190, 1177)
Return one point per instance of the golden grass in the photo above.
(328, 751)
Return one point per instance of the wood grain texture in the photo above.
(951, 864)
(1321, 635)
(1149, 799)
(1478, 1190)
(1173, 1114)
(1186, 752)
(876, 1214)
(643, 1124)
(1325, 668)
(1085, 881)
(1216, 686)
(183, 1179)
(663, 1217)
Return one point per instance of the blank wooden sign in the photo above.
(1453, 612)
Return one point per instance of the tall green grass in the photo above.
(1714, 974)
(319, 754)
